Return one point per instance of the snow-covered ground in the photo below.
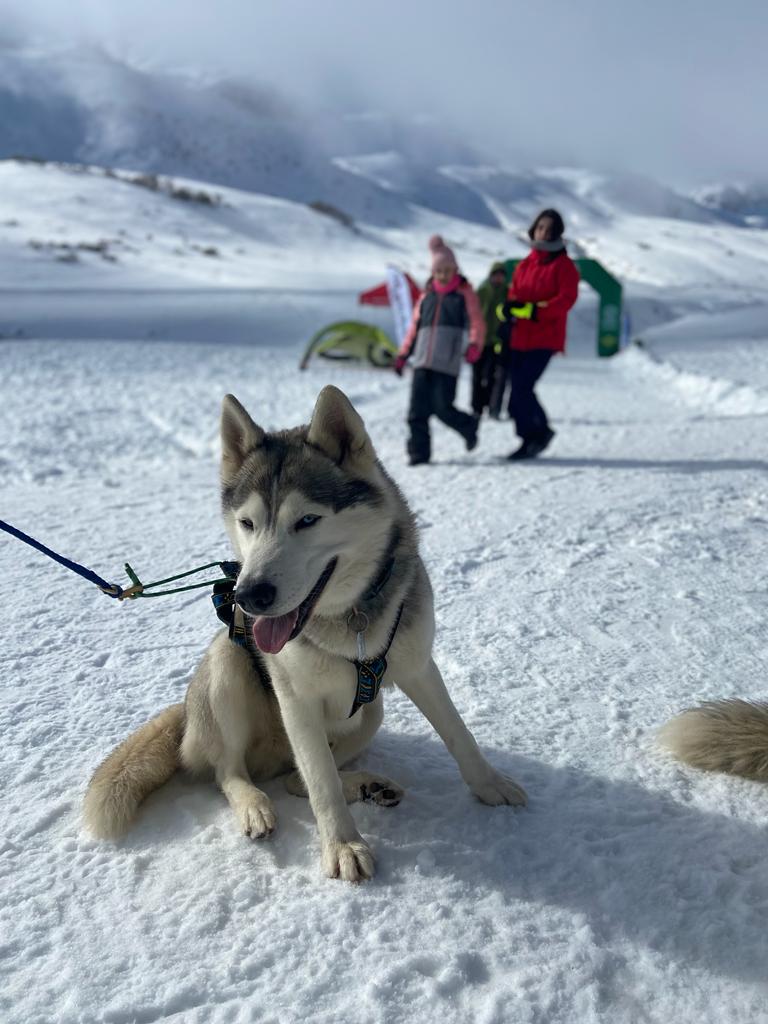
(581, 601)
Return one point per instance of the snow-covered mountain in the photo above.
(112, 176)
(74, 226)
(747, 203)
(85, 106)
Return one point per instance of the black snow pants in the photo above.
(482, 380)
(525, 368)
(432, 393)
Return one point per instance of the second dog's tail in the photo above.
(722, 736)
(141, 764)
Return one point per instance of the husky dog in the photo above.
(722, 736)
(335, 599)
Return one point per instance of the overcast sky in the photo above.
(674, 89)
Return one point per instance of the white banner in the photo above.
(400, 300)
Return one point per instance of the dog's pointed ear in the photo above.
(337, 429)
(239, 435)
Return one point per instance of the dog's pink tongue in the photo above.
(271, 633)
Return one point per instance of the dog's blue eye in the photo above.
(306, 521)
(247, 524)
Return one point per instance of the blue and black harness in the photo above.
(370, 671)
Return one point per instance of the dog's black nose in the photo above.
(256, 597)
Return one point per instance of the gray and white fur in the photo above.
(316, 524)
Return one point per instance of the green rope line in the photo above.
(140, 589)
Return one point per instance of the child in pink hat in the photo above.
(447, 326)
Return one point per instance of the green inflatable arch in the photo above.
(351, 339)
(609, 290)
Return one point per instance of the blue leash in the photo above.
(110, 589)
(137, 588)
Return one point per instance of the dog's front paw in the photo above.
(351, 862)
(497, 789)
(256, 815)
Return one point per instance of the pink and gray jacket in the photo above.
(445, 322)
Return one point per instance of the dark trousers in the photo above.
(432, 394)
(525, 368)
(499, 383)
(482, 380)
(489, 377)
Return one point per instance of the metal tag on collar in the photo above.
(358, 623)
(238, 630)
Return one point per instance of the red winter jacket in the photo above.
(539, 278)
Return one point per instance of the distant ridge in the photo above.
(82, 105)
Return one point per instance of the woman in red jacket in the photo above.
(544, 286)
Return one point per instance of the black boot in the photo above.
(532, 446)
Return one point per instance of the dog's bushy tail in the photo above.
(141, 764)
(722, 736)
